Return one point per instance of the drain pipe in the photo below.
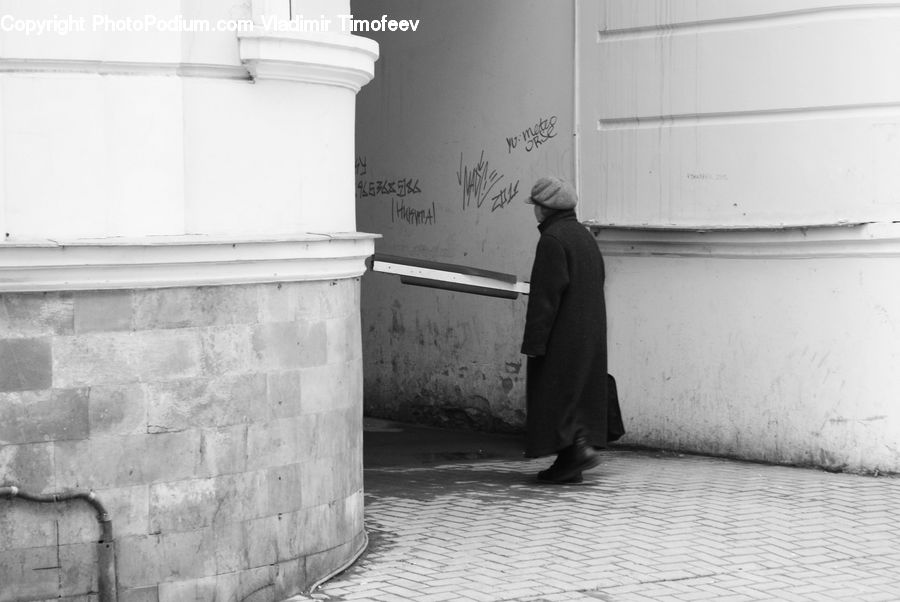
(106, 547)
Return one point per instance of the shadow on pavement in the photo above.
(388, 443)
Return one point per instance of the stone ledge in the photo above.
(762, 242)
(103, 67)
(320, 58)
(175, 261)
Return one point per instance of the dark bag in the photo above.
(615, 429)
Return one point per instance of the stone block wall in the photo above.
(221, 426)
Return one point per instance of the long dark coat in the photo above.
(565, 329)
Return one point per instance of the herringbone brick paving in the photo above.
(643, 526)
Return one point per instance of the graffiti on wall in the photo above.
(412, 216)
(480, 183)
(533, 136)
(401, 192)
(400, 187)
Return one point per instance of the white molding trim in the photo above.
(176, 261)
(95, 67)
(320, 58)
(775, 242)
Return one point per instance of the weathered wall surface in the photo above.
(783, 359)
(220, 426)
(771, 334)
(462, 117)
(736, 160)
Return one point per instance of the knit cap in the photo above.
(553, 193)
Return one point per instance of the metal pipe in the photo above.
(106, 547)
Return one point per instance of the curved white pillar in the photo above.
(179, 294)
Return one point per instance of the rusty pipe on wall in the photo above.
(106, 550)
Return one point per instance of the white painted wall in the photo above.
(739, 117)
(750, 113)
(144, 133)
(789, 356)
(268, 157)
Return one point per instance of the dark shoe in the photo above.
(570, 462)
(583, 455)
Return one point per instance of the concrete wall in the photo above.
(771, 334)
(735, 161)
(179, 302)
(776, 347)
(462, 117)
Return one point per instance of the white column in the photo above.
(173, 124)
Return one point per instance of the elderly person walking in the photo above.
(568, 413)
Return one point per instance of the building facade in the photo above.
(179, 299)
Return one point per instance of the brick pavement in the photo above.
(643, 526)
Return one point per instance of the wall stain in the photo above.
(842, 419)
(397, 328)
